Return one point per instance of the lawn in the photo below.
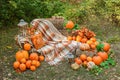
(8, 48)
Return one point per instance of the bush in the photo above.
(13, 10)
(80, 11)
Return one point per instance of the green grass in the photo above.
(63, 71)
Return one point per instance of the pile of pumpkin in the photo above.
(89, 43)
(26, 59)
(84, 36)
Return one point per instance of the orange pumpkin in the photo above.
(41, 58)
(69, 38)
(93, 46)
(89, 42)
(93, 39)
(78, 61)
(69, 25)
(32, 68)
(22, 67)
(21, 54)
(97, 60)
(28, 63)
(34, 62)
(27, 46)
(89, 58)
(34, 56)
(83, 57)
(73, 38)
(23, 60)
(106, 47)
(37, 64)
(103, 55)
(84, 40)
(16, 64)
(78, 38)
(85, 63)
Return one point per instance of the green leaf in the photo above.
(13, 3)
(9, 47)
(68, 30)
(100, 47)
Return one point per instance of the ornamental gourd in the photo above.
(21, 54)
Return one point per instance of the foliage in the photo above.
(87, 10)
(100, 47)
(13, 10)
(80, 12)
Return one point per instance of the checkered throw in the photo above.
(57, 46)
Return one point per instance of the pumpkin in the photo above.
(78, 61)
(89, 42)
(23, 60)
(16, 64)
(27, 46)
(93, 39)
(22, 67)
(69, 38)
(37, 64)
(28, 63)
(103, 55)
(78, 38)
(21, 54)
(32, 68)
(34, 62)
(97, 60)
(85, 63)
(84, 46)
(69, 25)
(41, 58)
(93, 46)
(106, 47)
(34, 56)
(89, 58)
(73, 38)
(83, 57)
(84, 40)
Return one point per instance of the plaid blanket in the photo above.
(57, 46)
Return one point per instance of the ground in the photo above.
(8, 47)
